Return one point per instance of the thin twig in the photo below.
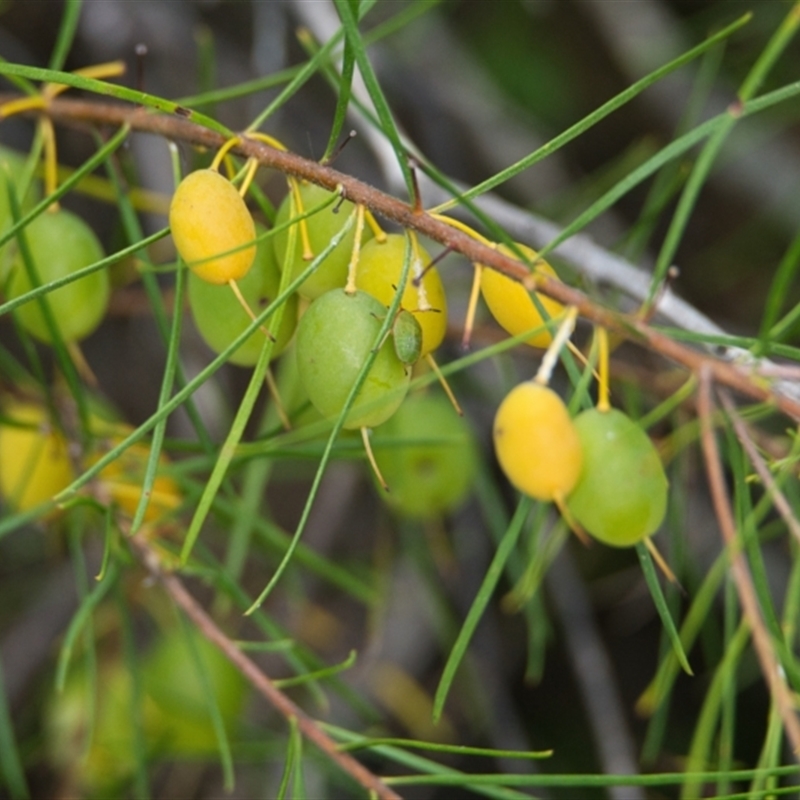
(174, 127)
(256, 677)
(741, 574)
(778, 497)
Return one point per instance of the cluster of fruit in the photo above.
(347, 276)
(346, 296)
(600, 468)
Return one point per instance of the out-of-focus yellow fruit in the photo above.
(34, 462)
(121, 481)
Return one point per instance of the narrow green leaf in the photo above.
(301, 77)
(706, 725)
(343, 100)
(108, 541)
(136, 711)
(325, 672)
(664, 409)
(247, 509)
(339, 424)
(10, 763)
(228, 450)
(95, 86)
(702, 167)
(649, 571)
(293, 752)
(667, 671)
(80, 619)
(298, 778)
(66, 33)
(375, 92)
(399, 755)
(592, 119)
(211, 703)
(242, 89)
(778, 292)
(451, 749)
(475, 613)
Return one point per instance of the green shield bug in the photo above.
(407, 334)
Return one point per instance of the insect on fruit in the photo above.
(407, 335)
(380, 267)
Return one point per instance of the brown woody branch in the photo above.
(770, 668)
(390, 208)
(256, 677)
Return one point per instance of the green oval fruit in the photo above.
(621, 496)
(334, 338)
(60, 244)
(220, 318)
(427, 455)
(179, 691)
(380, 266)
(321, 227)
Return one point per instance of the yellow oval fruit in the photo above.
(208, 219)
(34, 461)
(536, 442)
(512, 306)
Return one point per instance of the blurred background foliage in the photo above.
(476, 85)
